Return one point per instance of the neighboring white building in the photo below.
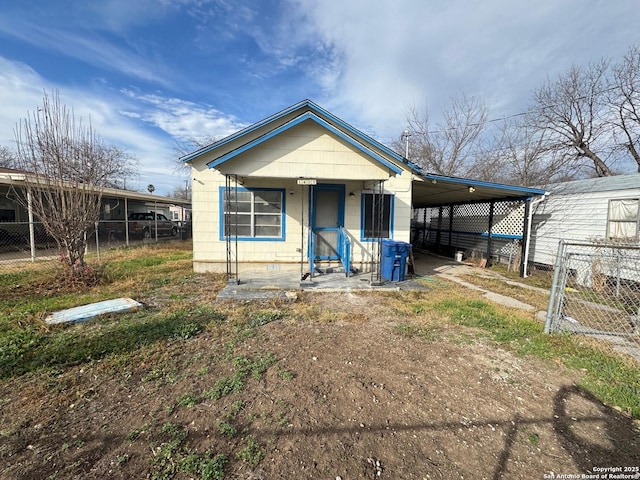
(180, 213)
(595, 209)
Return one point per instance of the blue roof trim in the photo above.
(319, 111)
(297, 121)
(480, 183)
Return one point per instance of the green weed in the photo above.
(174, 456)
(188, 400)
(208, 466)
(226, 429)
(407, 330)
(236, 408)
(284, 374)
(262, 317)
(225, 386)
(134, 434)
(252, 453)
(244, 367)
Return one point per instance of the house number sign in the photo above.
(307, 181)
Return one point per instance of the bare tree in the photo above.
(447, 148)
(623, 96)
(182, 192)
(7, 158)
(522, 155)
(572, 111)
(69, 167)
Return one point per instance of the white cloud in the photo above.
(23, 92)
(379, 57)
(87, 47)
(182, 119)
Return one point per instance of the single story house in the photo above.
(303, 189)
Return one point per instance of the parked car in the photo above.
(143, 225)
(184, 228)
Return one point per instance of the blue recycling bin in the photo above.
(394, 260)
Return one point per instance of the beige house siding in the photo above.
(308, 151)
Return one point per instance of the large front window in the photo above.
(377, 216)
(623, 219)
(252, 213)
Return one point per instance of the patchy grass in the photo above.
(536, 278)
(615, 380)
(526, 295)
(211, 396)
(27, 344)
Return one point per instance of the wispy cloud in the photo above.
(378, 57)
(181, 119)
(88, 47)
(23, 92)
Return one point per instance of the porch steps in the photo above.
(327, 270)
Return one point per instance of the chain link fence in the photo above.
(24, 242)
(596, 292)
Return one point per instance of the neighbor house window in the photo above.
(623, 219)
(252, 214)
(377, 216)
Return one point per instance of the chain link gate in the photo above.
(596, 292)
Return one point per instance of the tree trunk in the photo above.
(602, 170)
(634, 154)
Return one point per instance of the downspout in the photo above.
(438, 235)
(527, 237)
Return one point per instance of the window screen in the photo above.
(253, 213)
(374, 225)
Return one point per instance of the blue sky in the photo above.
(152, 74)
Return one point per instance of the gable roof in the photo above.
(271, 126)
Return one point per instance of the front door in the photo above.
(327, 218)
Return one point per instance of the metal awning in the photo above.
(433, 190)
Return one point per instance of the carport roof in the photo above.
(18, 178)
(432, 190)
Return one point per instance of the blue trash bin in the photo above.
(394, 260)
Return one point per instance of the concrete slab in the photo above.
(494, 297)
(88, 312)
(265, 286)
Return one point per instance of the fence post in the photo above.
(32, 234)
(554, 287)
(492, 205)
(97, 241)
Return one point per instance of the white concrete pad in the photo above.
(87, 312)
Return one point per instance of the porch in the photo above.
(261, 285)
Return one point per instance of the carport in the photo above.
(473, 218)
(23, 237)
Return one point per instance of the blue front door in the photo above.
(327, 218)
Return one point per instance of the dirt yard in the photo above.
(354, 386)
